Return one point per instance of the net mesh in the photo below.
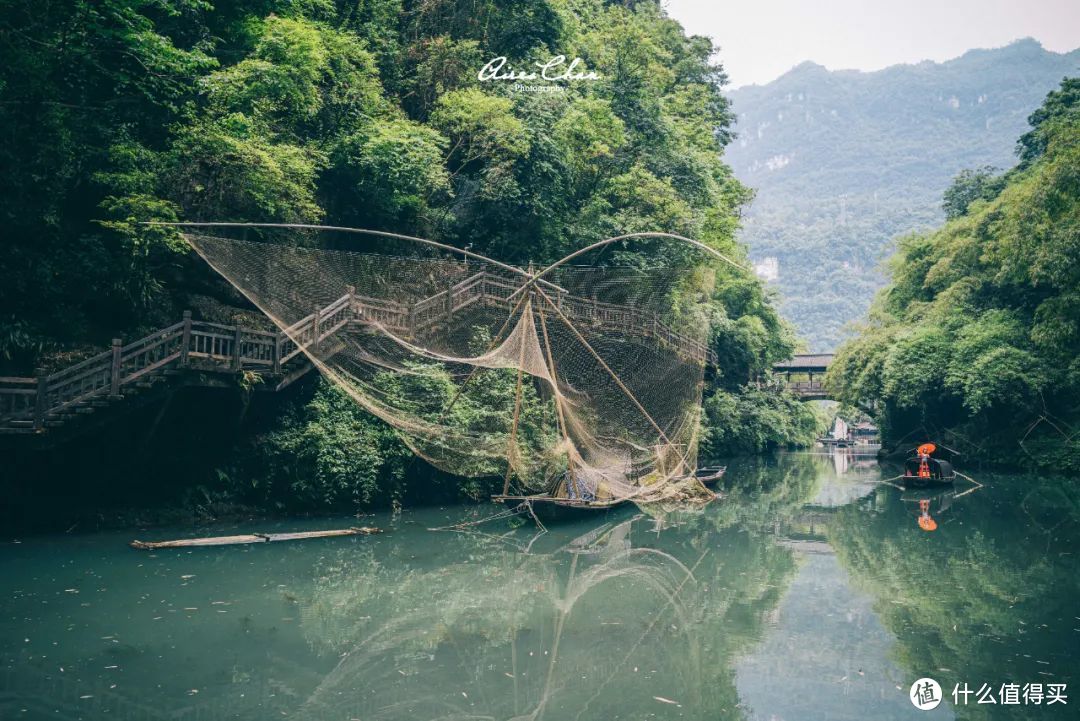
(576, 385)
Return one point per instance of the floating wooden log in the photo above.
(254, 538)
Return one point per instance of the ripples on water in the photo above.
(809, 592)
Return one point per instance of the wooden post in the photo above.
(276, 352)
(316, 325)
(114, 374)
(236, 348)
(185, 343)
(40, 399)
(351, 290)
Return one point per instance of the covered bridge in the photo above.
(813, 366)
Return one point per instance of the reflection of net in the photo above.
(577, 383)
(519, 639)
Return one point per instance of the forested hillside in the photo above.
(845, 161)
(369, 115)
(976, 341)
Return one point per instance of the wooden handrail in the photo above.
(230, 348)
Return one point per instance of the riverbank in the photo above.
(198, 454)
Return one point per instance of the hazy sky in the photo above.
(761, 39)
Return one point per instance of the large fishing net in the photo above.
(583, 383)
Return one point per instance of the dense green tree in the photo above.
(367, 114)
(752, 420)
(1061, 104)
(975, 342)
(969, 186)
(78, 77)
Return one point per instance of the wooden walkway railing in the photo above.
(485, 288)
(30, 404)
(809, 390)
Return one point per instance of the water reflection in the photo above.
(808, 591)
(990, 597)
(929, 505)
(861, 458)
(620, 617)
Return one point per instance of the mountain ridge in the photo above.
(845, 161)
(1027, 43)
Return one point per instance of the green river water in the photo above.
(807, 592)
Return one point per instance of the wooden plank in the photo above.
(152, 367)
(298, 324)
(184, 543)
(341, 302)
(254, 538)
(137, 354)
(99, 360)
(292, 354)
(228, 329)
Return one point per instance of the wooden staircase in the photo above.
(202, 353)
(187, 353)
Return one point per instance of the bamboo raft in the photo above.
(254, 538)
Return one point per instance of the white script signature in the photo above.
(554, 69)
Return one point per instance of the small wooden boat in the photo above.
(710, 475)
(926, 469)
(548, 508)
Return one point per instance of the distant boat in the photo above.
(923, 468)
